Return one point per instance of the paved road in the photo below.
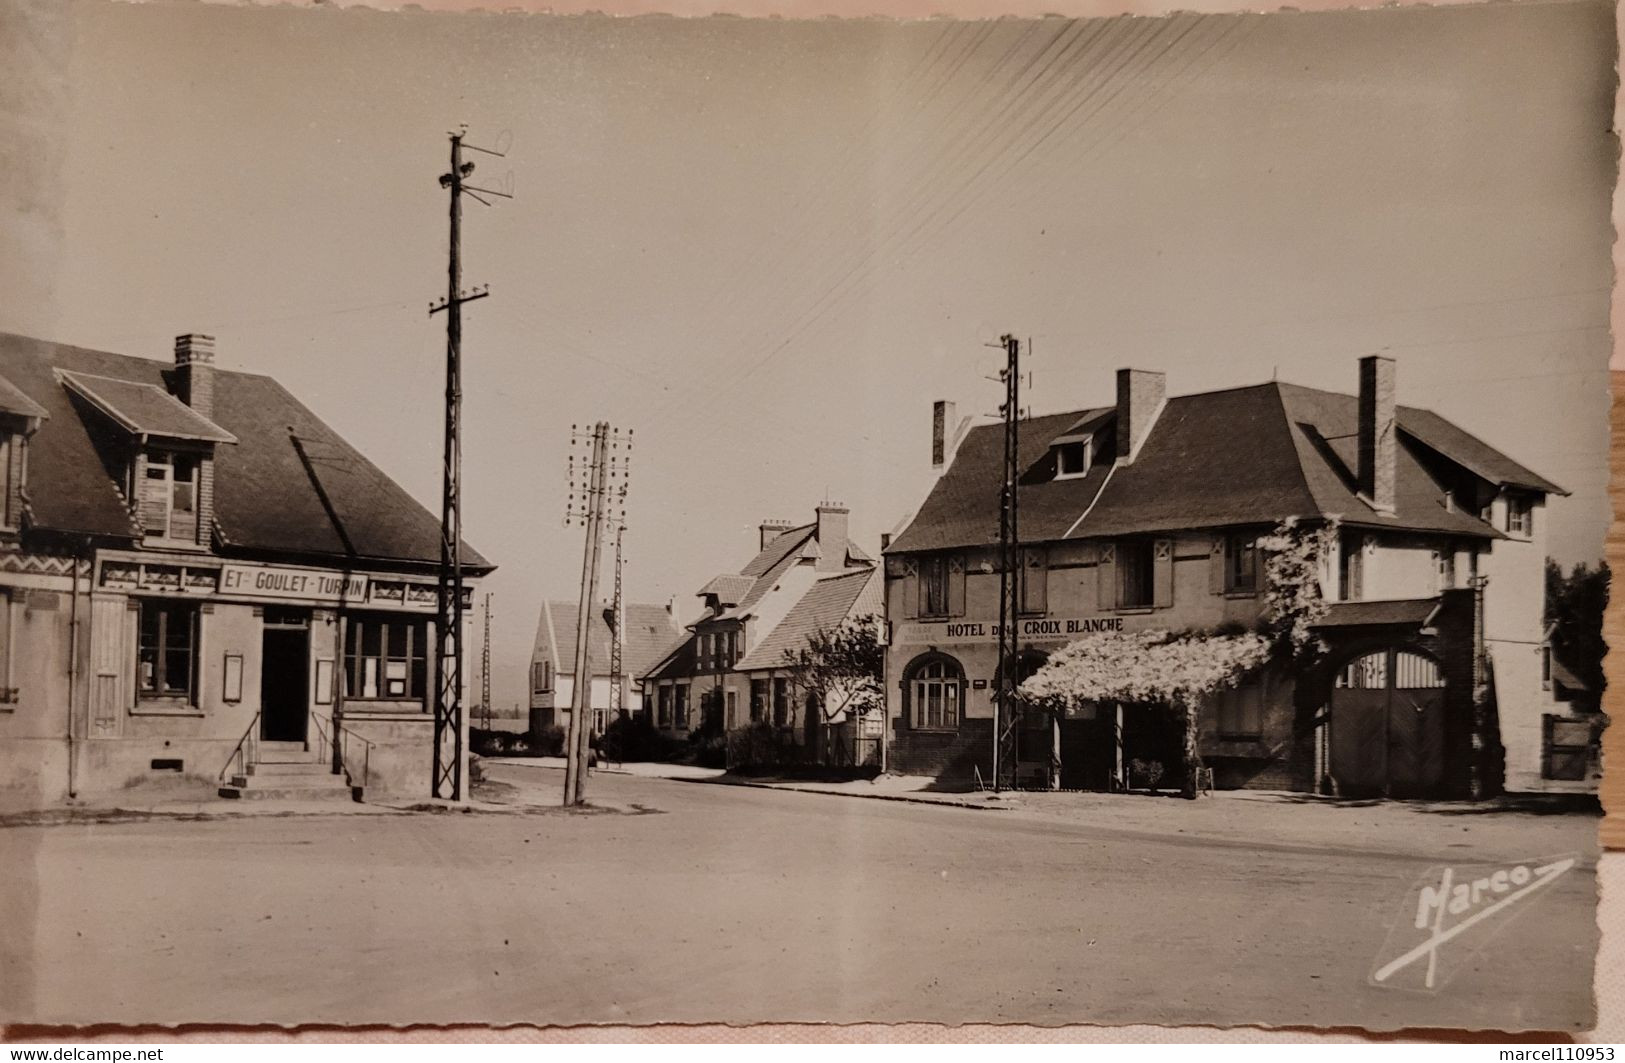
(699, 902)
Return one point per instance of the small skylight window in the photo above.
(1072, 458)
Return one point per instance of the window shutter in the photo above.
(1162, 573)
(911, 588)
(956, 585)
(1106, 576)
(1215, 567)
(1035, 582)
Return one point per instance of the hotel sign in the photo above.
(310, 585)
(1046, 629)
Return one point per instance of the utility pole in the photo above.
(617, 642)
(598, 495)
(1004, 713)
(485, 669)
(447, 778)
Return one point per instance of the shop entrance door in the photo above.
(284, 676)
(1387, 725)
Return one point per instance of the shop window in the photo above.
(386, 658)
(758, 700)
(935, 690)
(679, 706)
(166, 497)
(1240, 563)
(781, 702)
(934, 586)
(166, 654)
(1241, 711)
(1034, 582)
(1136, 574)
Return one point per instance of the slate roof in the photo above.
(144, 409)
(1242, 456)
(769, 564)
(268, 498)
(651, 633)
(830, 600)
(13, 401)
(1358, 614)
(759, 576)
(729, 590)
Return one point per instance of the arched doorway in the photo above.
(1387, 724)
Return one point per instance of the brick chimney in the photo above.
(832, 536)
(1378, 447)
(1140, 395)
(194, 363)
(772, 529)
(942, 428)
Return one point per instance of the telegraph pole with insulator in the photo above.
(447, 778)
(596, 498)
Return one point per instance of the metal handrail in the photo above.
(244, 751)
(366, 754)
(338, 742)
(324, 743)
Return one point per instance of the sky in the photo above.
(766, 246)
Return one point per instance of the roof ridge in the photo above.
(552, 635)
(1293, 440)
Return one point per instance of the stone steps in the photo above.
(288, 771)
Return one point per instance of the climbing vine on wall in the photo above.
(1295, 556)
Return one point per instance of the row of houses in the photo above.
(197, 573)
(1145, 513)
(203, 583)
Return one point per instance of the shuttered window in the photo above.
(1136, 575)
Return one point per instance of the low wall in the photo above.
(948, 756)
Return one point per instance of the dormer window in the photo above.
(1073, 458)
(167, 495)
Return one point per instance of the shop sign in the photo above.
(256, 581)
(1048, 629)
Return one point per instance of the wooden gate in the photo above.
(1387, 725)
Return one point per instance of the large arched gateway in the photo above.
(1387, 725)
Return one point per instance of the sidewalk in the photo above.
(1263, 821)
(639, 769)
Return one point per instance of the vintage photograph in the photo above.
(568, 520)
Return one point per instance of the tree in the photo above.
(1147, 667)
(841, 668)
(1575, 603)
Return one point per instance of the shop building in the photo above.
(1145, 514)
(725, 674)
(648, 633)
(199, 579)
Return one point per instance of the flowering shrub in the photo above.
(1147, 667)
(1143, 666)
(1294, 557)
